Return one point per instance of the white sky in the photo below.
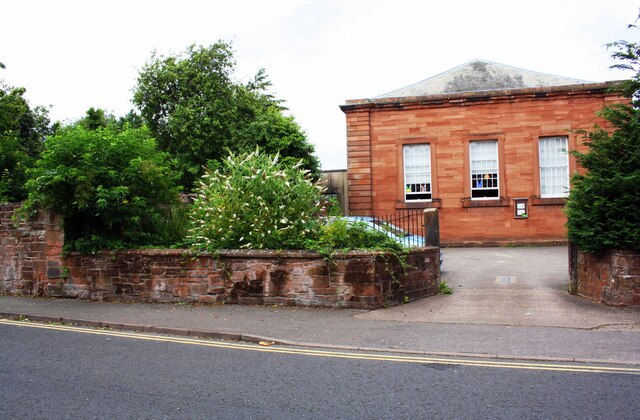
(73, 55)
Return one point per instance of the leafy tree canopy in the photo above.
(96, 118)
(22, 133)
(110, 184)
(604, 202)
(198, 112)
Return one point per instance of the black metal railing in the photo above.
(404, 226)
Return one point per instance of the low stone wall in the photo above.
(612, 277)
(32, 261)
(27, 250)
(350, 280)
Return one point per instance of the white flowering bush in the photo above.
(255, 202)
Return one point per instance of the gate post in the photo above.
(431, 227)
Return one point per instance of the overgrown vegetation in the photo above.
(604, 202)
(22, 133)
(110, 185)
(114, 183)
(338, 233)
(115, 180)
(255, 201)
(197, 111)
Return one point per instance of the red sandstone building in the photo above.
(484, 143)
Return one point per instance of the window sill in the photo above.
(501, 202)
(555, 201)
(435, 203)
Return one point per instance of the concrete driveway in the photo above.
(509, 286)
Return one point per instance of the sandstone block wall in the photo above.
(612, 277)
(292, 278)
(33, 264)
(377, 130)
(28, 250)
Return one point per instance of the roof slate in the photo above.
(478, 76)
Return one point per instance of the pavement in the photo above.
(508, 303)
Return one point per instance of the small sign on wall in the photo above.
(521, 208)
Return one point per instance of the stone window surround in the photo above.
(484, 153)
(405, 149)
(435, 202)
(537, 199)
(501, 201)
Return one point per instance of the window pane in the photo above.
(484, 169)
(417, 172)
(554, 167)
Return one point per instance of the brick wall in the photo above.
(378, 129)
(33, 265)
(612, 277)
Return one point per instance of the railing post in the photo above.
(431, 227)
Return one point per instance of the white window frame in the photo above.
(417, 168)
(481, 162)
(554, 170)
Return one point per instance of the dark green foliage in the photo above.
(604, 204)
(96, 118)
(22, 133)
(340, 234)
(628, 55)
(197, 112)
(132, 118)
(112, 187)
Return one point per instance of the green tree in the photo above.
(132, 118)
(604, 202)
(95, 118)
(111, 186)
(197, 111)
(22, 133)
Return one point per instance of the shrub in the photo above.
(110, 185)
(340, 234)
(603, 203)
(253, 201)
(256, 202)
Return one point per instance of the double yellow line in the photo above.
(332, 354)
